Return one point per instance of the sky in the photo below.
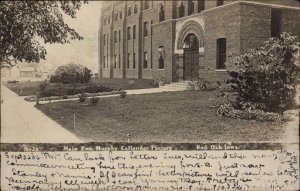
(85, 51)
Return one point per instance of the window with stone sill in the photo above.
(129, 11)
(276, 22)
(135, 10)
(201, 5)
(146, 5)
(121, 14)
(145, 29)
(220, 2)
(161, 12)
(104, 61)
(115, 37)
(134, 32)
(133, 66)
(115, 61)
(145, 65)
(181, 9)
(128, 33)
(221, 54)
(190, 7)
(116, 16)
(128, 60)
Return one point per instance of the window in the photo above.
(107, 38)
(276, 22)
(116, 16)
(115, 61)
(133, 66)
(104, 39)
(128, 60)
(135, 10)
(201, 5)
(115, 37)
(161, 12)
(190, 7)
(145, 29)
(151, 31)
(119, 35)
(146, 4)
(105, 21)
(221, 53)
(108, 20)
(104, 62)
(161, 61)
(134, 31)
(121, 15)
(119, 61)
(181, 10)
(129, 11)
(220, 2)
(128, 33)
(145, 60)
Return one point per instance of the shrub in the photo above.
(123, 94)
(82, 98)
(71, 73)
(95, 88)
(42, 87)
(94, 100)
(267, 74)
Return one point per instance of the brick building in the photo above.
(185, 40)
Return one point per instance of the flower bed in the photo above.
(33, 98)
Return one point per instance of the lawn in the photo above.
(161, 117)
(24, 88)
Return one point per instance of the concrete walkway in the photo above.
(21, 122)
(129, 92)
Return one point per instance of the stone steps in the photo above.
(185, 85)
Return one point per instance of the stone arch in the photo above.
(190, 27)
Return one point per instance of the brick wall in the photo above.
(243, 25)
(164, 36)
(220, 23)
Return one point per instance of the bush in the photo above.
(95, 88)
(82, 98)
(42, 87)
(71, 73)
(267, 74)
(123, 94)
(94, 100)
(73, 89)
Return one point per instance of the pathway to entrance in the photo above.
(21, 122)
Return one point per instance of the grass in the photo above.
(24, 88)
(161, 117)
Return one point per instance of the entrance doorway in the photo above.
(191, 58)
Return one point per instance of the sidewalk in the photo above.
(129, 92)
(21, 122)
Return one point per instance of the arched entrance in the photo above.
(190, 57)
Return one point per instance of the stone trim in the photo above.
(249, 3)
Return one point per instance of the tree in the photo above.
(23, 23)
(267, 75)
(71, 73)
